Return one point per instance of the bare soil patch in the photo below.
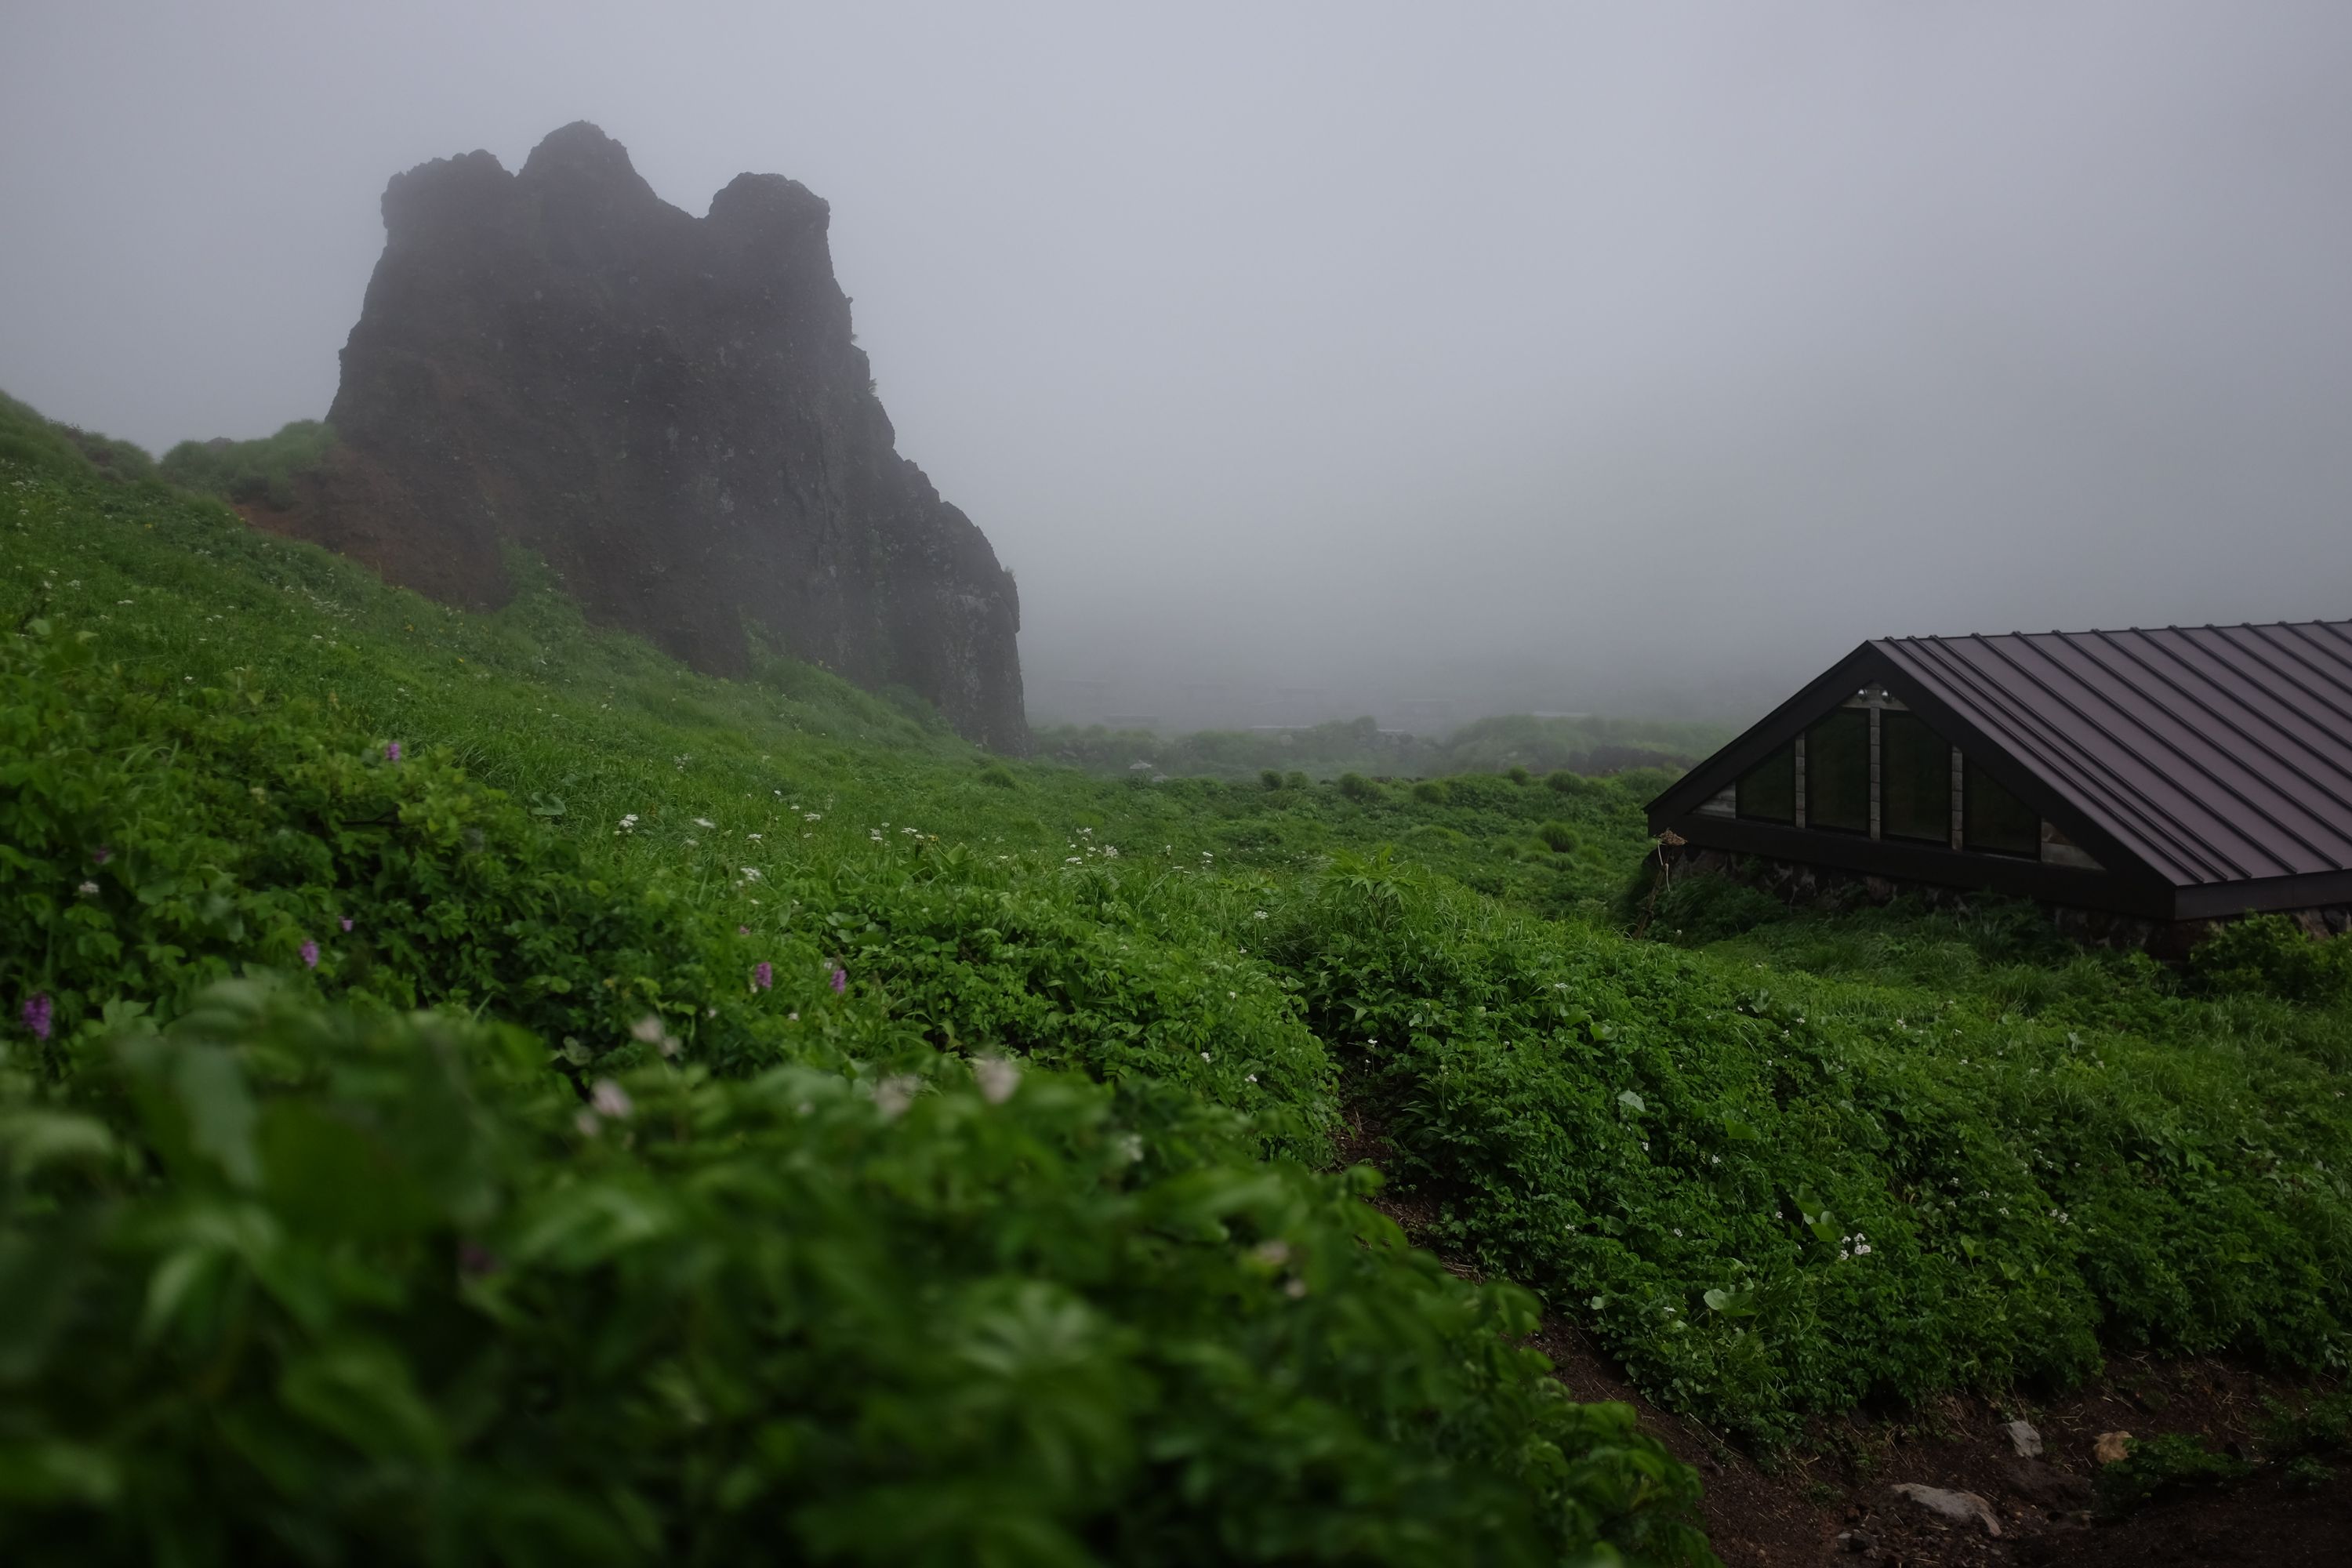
(1831, 1499)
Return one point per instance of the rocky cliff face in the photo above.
(670, 411)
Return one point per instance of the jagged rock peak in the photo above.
(670, 411)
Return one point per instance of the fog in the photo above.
(1311, 360)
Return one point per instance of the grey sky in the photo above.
(1577, 356)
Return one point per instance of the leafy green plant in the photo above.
(1697, 907)
(2271, 955)
(2155, 1467)
(282, 1283)
(2319, 1425)
(1559, 837)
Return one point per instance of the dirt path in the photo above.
(1832, 1500)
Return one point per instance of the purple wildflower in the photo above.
(742, 931)
(310, 954)
(392, 753)
(37, 1013)
(346, 922)
(101, 854)
(840, 980)
(475, 1260)
(763, 974)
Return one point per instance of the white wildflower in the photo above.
(997, 1078)
(611, 1099)
(894, 1093)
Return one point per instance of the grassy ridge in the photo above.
(261, 470)
(733, 1195)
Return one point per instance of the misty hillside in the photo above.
(469, 1076)
(1526, 743)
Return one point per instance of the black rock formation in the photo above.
(670, 411)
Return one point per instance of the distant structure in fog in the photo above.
(2166, 776)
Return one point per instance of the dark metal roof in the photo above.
(2215, 754)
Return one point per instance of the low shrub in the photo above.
(2271, 955)
(2155, 1467)
(284, 1284)
(1698, 907)
(262, 470)
(1769, 1196)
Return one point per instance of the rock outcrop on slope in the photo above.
(670, 411)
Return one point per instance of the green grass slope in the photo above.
(765, 1010)
(819, 1137)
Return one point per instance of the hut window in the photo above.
(1837, 772)
(1767, 791)
(1915, 780)
(1993, 820)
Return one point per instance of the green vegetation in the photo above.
(2297, 1444)
(823, 1133)
(1519, 744)
(248, 471)
(2164, 1467)
(35, 443)
(307, 1277)
(775, 1167)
